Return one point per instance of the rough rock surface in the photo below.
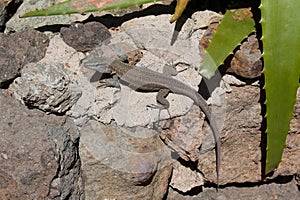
(185, 179)
(47, 87)
(278, 190)
(84, 37)
(4, 4)
(290, 163)
(128, 107)
(38, 154)
(184, 134)
(246, 62)
(242, 130)
(17, 50)
(119, 163)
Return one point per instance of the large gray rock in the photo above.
(38, 154)
(119, 163)
(47, 87)
(281, 190)
(241, 131)
(242, 139)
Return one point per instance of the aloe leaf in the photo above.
(69, 7)
(56, 9)
(281, 46)
(234, 27)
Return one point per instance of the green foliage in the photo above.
(63, 8)
(234, 27)
(66, 7)
(281, 44)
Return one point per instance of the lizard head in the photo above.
(101, 59)
(98, 64)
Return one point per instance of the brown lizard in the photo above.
(143, 79)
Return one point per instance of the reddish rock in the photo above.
(38, 154)
(85, 37)
(17, 50)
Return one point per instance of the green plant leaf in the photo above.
(234, 27)
(69, 7)
(281, 47)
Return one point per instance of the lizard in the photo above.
(144, 79)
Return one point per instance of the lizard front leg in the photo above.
(113, 82)
(168, 70)
(163, 103)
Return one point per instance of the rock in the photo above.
(119, 163)
(17, 50)
(153, 39)
(85, 37)
(241, 154)
(246, 62)
(241, 130)
(185, 179)
(4, 5)
(3, 11)
(295, 125)
(241, 142)
(38, 154)
(232, 80)
(184, 134)
(290, 163)
(47, 87)
(282, 190)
